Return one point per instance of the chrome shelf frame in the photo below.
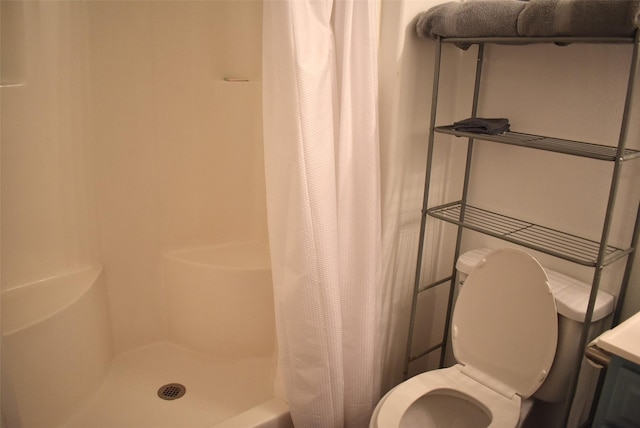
(583, 251)
(568, 40)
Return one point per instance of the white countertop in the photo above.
(623, 340)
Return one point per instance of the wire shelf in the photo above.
(551, 144)
(559, 40)
(550, 241)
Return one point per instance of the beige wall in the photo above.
(126, 142)
(574, 92)
(405, 74)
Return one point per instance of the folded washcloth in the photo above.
(593, 18)
(497, 18)
(483, 126)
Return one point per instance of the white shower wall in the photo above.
(48, 209)
(125, 141)
(178, 151)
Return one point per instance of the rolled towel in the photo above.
(497, 18)
(579, 18)
(482, 125)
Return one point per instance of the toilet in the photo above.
(504, 331)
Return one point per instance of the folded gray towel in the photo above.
(579, 18)
(471, 19)
(482, 125)
(532, 18)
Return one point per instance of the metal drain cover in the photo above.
(171, 391)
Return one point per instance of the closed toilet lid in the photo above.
(504, 325)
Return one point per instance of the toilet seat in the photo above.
(504, 333)
(503, 411)
(505, 323)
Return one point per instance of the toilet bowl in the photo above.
(446, 398)
(504, 335)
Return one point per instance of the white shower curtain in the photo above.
(323, 201)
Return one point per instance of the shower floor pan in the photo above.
(216, 390)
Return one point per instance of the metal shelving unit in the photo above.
(576, 249)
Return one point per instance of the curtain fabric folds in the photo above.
(323, 201)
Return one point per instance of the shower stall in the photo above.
(134, 238)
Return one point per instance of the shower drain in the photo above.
(171, 391)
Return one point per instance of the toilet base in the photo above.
(548, 415)
(543, 414)
(525, 410)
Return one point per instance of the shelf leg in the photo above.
(425, 200)
(465, 192)
(606, 228)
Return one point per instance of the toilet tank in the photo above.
(572, 298)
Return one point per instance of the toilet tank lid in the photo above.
(571, 295)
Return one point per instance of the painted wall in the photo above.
(125, 142)
(406, 71)
(574, 92)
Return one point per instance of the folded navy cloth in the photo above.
(483, 126)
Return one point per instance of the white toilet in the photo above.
(504, 336)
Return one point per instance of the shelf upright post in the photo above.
(631, 88)
(465, 192)
(606, 229)
(425, 200)
(627, 271)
